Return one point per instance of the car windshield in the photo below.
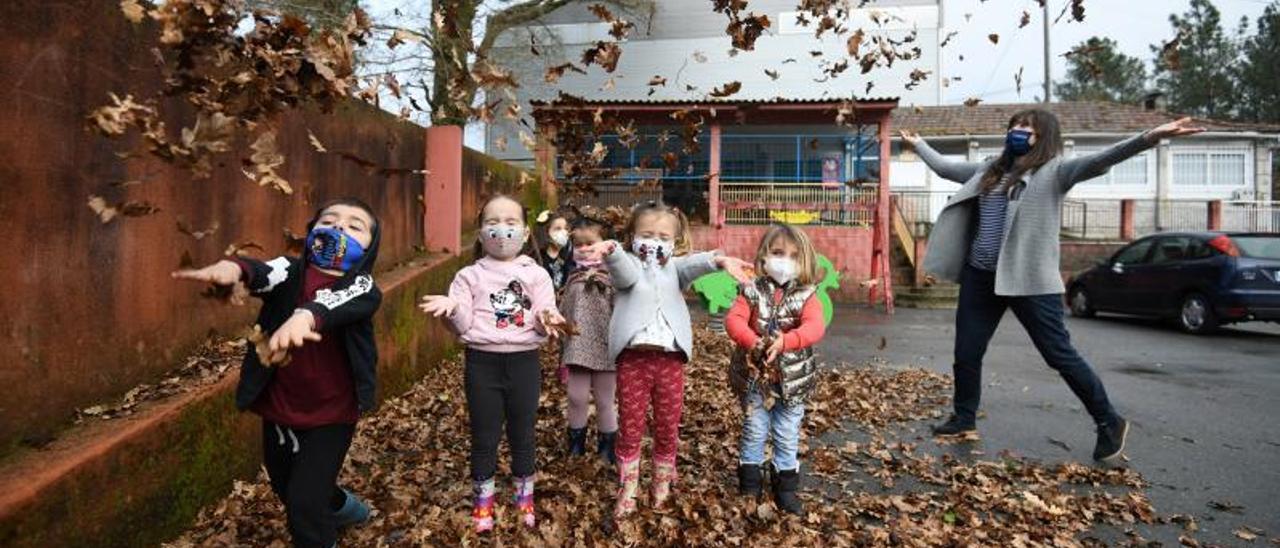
(1258, 247)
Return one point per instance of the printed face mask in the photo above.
(652, 250)
(1018, 141)
(328, 247)
(781, 269)
(586, 259)
(559, 237)
(502, 242)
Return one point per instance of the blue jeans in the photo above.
(782, 424)
(977, 316)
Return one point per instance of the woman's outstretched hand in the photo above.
(910, 137)
(1177, 128)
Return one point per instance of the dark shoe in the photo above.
(604, 447)
(785, 485)
(577, 441)
(1111, 440)
(750, 480)
(955, 427)
(353, 511)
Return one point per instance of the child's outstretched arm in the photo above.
(692, 267)
(623, 267)
(456, 306)
(259, 278)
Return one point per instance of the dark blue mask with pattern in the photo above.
(334, 249)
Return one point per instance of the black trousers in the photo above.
(502, 388)
(303, 466)
(977, 316)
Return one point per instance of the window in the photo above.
(1171, 249)
(1213, 168)
(1134, 254)
(1129, 172)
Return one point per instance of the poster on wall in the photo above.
(831, 170)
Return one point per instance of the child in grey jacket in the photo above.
(650, 338)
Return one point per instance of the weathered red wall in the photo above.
(89, 309)
(849, 248)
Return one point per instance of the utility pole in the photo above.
(1048, 77)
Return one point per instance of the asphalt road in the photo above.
(1204, 409)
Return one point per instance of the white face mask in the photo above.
(502, 242)
(652, 250)
(559, 237)
(781, 269)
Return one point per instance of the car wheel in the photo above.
(1081, 305)
(1196, 315)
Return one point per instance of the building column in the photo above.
(1262, 178)
(1164, 180)
(1127, 231)
(1214, 221)
(544, 158)
(442, 190)
(715, 216)
(971, 152)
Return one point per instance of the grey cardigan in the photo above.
(638, 292)
(1029, 254)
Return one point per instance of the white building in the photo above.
(684, 41)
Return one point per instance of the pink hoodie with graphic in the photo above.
(499, 304)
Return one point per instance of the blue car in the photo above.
(1201, 280)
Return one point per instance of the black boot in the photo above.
(785, 485)
(577, 441)
(750, 480)
(955, 427)
(1111, 440)
(604, 446)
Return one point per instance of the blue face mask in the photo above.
(334, 249)
(1018, 141)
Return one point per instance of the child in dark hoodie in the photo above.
(319, 374)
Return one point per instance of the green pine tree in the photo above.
(1202, 81)
(1260, 69)
(1096, 71)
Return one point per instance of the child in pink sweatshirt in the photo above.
(502, 307)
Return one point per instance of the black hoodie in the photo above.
(345, 309)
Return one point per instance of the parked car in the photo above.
(1201, 280)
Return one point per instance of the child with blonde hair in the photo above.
(775, 321)
(651, 338)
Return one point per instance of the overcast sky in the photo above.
(987, 71)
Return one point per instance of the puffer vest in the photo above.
(799, 371)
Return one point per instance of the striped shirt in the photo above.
(993, 204)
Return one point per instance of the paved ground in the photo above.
(1204, 409)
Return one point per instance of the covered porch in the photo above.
(816, 163)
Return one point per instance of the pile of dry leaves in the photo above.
(410, 462)
(205, 366)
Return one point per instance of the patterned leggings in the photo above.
(650, 377)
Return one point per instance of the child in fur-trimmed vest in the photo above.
(775, 322)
